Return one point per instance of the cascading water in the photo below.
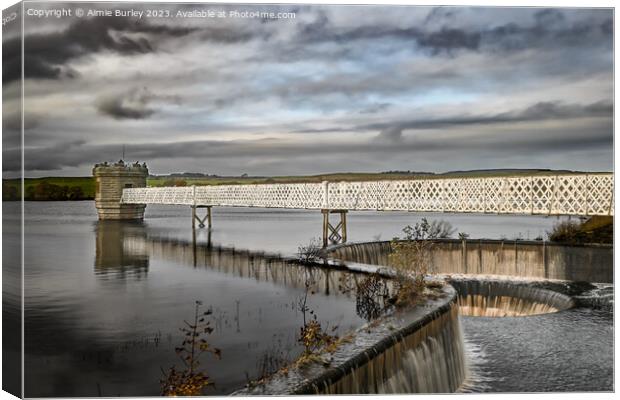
(487, 298)
(544, 286)
(430, 360)
(427, 356)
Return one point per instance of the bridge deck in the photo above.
(544, 195)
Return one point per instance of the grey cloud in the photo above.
(13, 121)
(468, 144)
(368, 78)
(444, 40)
(546, 30)
(392, 130)
(393, 134)
(136, 103)
(536, 112)
(45, 55)
(375, 108)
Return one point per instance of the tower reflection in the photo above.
(120, 250)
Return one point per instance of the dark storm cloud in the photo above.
(444, 40)
(537, 112)
(45, 54)
(394, 86)
(392, 130)
(547, 28)
(137, 103)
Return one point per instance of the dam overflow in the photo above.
(488, 298)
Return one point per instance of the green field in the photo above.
(50, 188)
(83, 188)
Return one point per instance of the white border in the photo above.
(506, 3)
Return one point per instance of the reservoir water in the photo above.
(104, 302)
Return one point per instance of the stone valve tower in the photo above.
(110, 180)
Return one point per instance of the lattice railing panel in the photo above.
(302, 195)
(547, 195)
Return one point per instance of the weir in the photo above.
(489, 298)
(429, 360)
(414, 351)
(525, 259)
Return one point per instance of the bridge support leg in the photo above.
(201, 221)
(334, 234)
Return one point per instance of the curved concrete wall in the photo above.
(375, 360)
(589, 263)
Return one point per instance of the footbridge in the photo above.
(569, 194)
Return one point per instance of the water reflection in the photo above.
(150, 277)
(123, 249)
(118, 251)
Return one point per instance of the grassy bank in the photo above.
(50, 189)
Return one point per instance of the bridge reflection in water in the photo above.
(124, 248)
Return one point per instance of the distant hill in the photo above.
(517, 171)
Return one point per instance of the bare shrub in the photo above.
(312, 335)
(190, 380)
(312, 252)
(411, 258)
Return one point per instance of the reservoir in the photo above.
(105, 301)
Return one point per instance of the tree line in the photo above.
(44, 191)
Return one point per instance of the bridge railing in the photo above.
(590, 194)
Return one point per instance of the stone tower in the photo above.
(110, 180)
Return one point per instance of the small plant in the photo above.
(565, 231)
(412, 258)
(597, 229)
(312, 335)
(190, 381)
(311, 252)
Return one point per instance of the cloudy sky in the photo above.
(337, 88)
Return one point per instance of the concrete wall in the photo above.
(376, 353)
(590, 263)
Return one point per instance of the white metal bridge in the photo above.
(585, 194)
(538, 195)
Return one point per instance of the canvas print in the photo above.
(276, 199)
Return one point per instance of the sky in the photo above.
(334, 89)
